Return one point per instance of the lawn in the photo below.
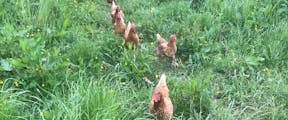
(60, 59)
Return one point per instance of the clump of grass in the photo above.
(92, 99)
(13, 102)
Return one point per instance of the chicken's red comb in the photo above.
(155, 96)
(118, 8)
(173, 37)
(133, 26)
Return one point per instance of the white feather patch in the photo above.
(127, 30)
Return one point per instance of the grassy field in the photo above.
(59, 59)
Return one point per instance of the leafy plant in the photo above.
(193, 95)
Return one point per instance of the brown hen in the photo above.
(161, 106)
(167, 49)
(119, 25)
(115, 9)
(130, 35)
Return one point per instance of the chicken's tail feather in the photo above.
(113, 2)
(113, 7)
(160, 39)
(162, 80)
(128, 29)
(158, 36)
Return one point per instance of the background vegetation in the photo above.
(59, 59)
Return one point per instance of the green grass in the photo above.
(60, 59)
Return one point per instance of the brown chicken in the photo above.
(115, 9)
(168, 49)
(161, 106)
(119, 25)
(131, 36)
(110, 1)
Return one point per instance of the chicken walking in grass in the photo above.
(161, 106)
(115, 9)
(167, 49)
(119, 25)
(131, 36)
